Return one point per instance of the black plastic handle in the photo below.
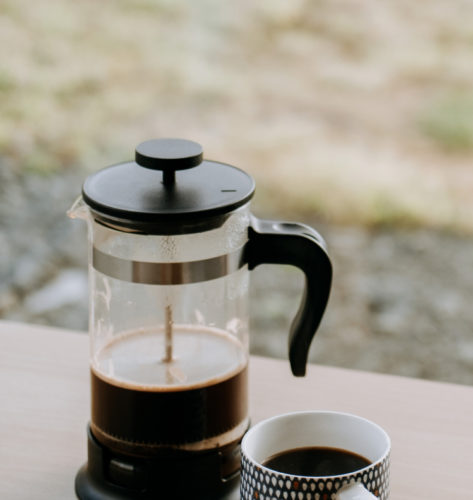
(301, 246)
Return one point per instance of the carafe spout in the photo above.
(79, 209)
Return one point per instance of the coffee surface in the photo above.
(137, 359)
(316, 461)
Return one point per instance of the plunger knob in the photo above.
(169, 155)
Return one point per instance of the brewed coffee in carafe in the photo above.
(171, 244)
(194, 401)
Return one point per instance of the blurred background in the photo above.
(353, 116)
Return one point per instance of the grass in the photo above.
(334, 108)
(449, 122)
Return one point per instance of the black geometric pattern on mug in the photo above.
(257, 484)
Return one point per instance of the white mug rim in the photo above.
(267, 470)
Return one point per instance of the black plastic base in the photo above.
(111, 476)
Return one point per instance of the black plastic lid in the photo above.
(133, 196)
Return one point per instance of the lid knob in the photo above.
(169, 155)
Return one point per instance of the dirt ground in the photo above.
(401, 304)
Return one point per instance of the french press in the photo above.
(169, 260)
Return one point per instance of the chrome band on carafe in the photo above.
(167, 273)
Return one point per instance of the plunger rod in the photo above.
(168, 335)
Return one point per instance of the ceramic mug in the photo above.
(324, 429)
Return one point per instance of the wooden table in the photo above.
(44, 394)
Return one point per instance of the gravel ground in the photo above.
(401, 304)
(401, 300)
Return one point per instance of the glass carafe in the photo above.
(169, 262)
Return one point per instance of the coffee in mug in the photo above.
(316, 461)
(315, 455)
